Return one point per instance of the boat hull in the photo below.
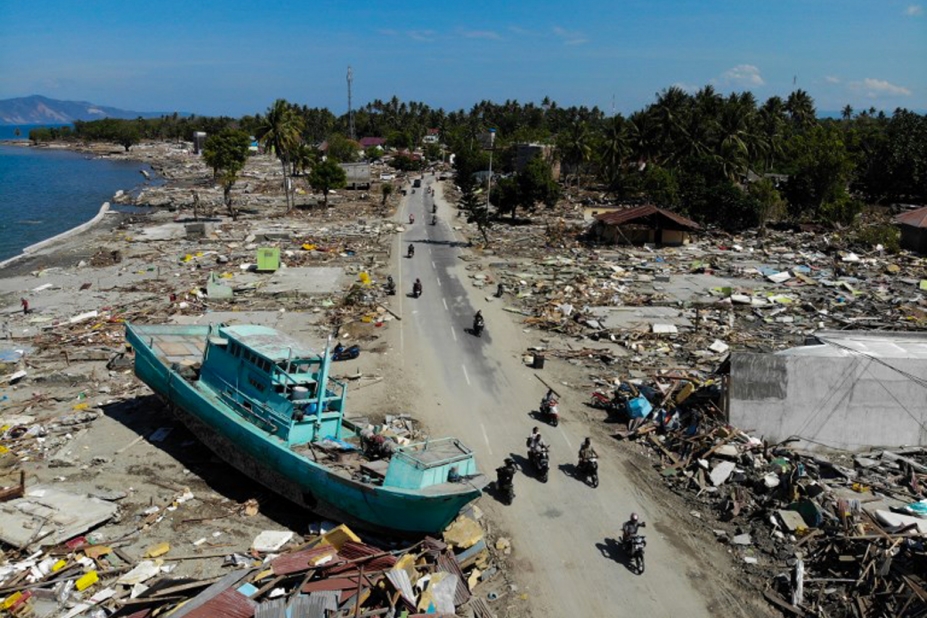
(269, 461)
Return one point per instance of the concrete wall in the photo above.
(637, 235)
(848, 402)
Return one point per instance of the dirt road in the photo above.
(563, 532)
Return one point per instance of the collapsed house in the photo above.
(846, 390)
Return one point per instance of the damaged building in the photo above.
(845, 390)
(646, 224)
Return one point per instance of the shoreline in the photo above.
(105, 208)
(34, 248)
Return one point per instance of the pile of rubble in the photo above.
(333, 572)
(834, 535)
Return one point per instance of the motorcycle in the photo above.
(434, 220)
(478, 325)
(589, 471)
(390, 287)
(634, 546)
(504, 484)
(411, 251)
(600, 400)
(549, 412)
(434, 207)
(416, 289)
(541, 462)
(341, 353)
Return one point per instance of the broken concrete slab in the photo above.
(721, 472)
(48, 516)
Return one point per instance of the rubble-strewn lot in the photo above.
(820, 534)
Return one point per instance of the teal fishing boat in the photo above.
(266, 404)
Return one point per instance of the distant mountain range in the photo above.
(37, 109)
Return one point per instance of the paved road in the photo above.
(478, 390)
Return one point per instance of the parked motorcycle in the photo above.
(549, 412)
(600, 400)
(635, 550)
(589, 471)
(541, 462)
(341, 353)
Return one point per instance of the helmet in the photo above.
(587, 441)
(634, 517)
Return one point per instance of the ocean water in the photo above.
(44, 193)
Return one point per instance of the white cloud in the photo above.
(830, 79)
(741, 75)
(875, 88)
(914, 10)
(427, 36)
(570, 37)
(481, 34)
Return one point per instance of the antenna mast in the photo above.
(350, 109)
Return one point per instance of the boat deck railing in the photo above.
(259, 411)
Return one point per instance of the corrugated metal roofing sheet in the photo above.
(448, 564)
(301, 560)
(228, 604)
(915, 218)
(620, 217)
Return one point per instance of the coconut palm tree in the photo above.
(575, 147)
(800, 107)
(847, 113)
(280, 130)
(616, 147)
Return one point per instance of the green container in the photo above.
(268, 258)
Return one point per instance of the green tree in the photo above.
(800, 107)
(769, 202)
(127, 134)
(477, 211)
(386, 190)
(279, 131)
(226, 153)
(536, 184)
(342, 149)
(327, 176)
(820, 172)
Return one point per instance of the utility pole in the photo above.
(492, 142)
(350, 109)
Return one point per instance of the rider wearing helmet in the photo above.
(630, 527)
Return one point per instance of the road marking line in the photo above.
(465, 370)
(444, 300)
(454, 332)
(433, 265)
(486, 437)
(565, 439)
(438, 281)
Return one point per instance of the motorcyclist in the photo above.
(535, 443)
(411, 218)
(586, 453)
(434, 219)
(505, 474)
(411, 250)
(548, 400)
(434, 207)
(390, 285)
(478, 321)
(630, 528)
(417, 287)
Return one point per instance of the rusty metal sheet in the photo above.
(300, 560)
(228, 604)
(448, 564)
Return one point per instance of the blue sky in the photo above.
(235, 58)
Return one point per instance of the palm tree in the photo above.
(847, 112)
(800, 107)
(280, 130)
(575, 146)
(616, 147)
